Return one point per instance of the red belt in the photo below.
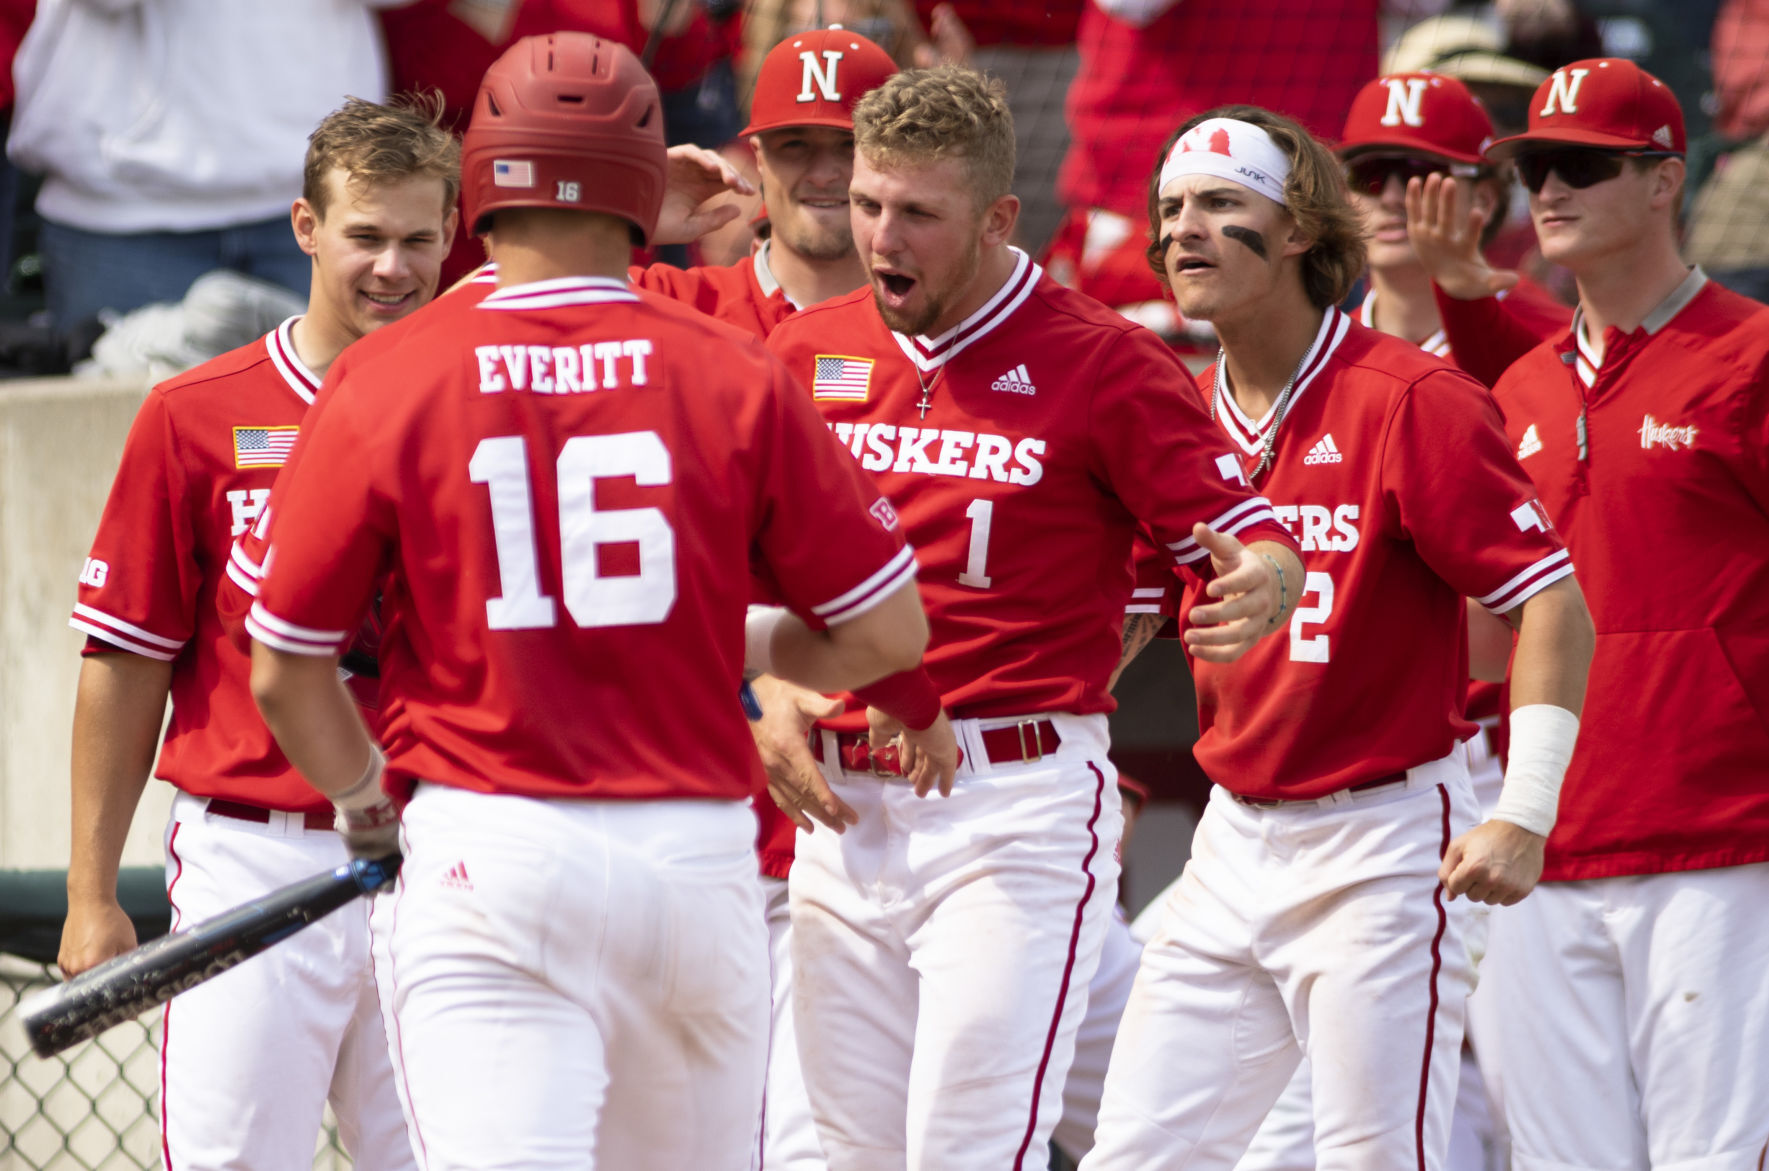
(240, 811)
(1026, 742)
(1266, 802)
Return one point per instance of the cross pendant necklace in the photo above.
(927, 393)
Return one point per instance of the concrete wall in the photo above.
(59, 444)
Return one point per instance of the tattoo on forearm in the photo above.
(1139, 631)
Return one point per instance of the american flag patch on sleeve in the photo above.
(841, 378)
(263, 447)
(510, 173)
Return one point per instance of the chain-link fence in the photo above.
(94, 1105)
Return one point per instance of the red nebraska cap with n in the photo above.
(1416, 114)
(1603, 102)
(814, 79)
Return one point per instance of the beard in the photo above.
(804, 236)
(935, 301)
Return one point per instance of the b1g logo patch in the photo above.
(883, 512)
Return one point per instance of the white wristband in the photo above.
(758, 638)
(1542, 736)
(366, 792)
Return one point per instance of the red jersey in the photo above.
(1055, 427)
(744, 294)
(1394, 471)
(1653, 459)
(196, 471)
(245, 563)
(565, 484)
(1304, 60)
(1489, 333)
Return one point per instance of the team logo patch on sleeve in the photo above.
(841, 378)
(263, 447)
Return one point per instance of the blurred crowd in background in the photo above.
(154, 146)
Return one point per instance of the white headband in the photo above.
(1229, 149)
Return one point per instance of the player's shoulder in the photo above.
(835, 312)
(682, 318)
(1717, 314)
(219, 372)
(1381, 365)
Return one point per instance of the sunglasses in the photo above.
(1371, 175)
(1578, 168)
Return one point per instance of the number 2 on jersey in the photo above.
(1315, 648)
(501, 464)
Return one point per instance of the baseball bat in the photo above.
(132, 983)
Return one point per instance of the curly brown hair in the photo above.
(925, 115)
(374, 143)
(1315, 195)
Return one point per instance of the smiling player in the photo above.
(268, 1041)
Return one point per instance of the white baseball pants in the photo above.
(943, 948)
(249, 1059)
(789, 1134)
(1317, 928)
(1632, 1021)
(1107, 994)
(579, 984)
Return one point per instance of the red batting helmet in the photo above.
(1416, 114)
(565, 120)
(814, 79)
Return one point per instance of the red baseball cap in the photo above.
(814, 79)
(1603, 102)
(1417, 114)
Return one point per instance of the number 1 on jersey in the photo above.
(981, 514)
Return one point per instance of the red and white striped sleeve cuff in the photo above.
(1145, 601)
(123, 634)
(870, 592)
(243, 571)
(272, 631)
(1530, 582)
(1241, 517)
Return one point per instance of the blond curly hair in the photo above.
(1315, 196)
(925, 115)
(375, 143)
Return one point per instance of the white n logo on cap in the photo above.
(1563, 94)
(824, 78)
(1405, 94)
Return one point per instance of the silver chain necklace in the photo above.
(1278, 412)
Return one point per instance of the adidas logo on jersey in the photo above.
(1531, 443)
(456, 878)
(1015, 381)
(1324, 452)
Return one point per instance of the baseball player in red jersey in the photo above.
(1310, 917)
(1404, 131)
(249, 1059)
(1636, 1011)
(567, 483)
(944, 945)
(801, 129)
